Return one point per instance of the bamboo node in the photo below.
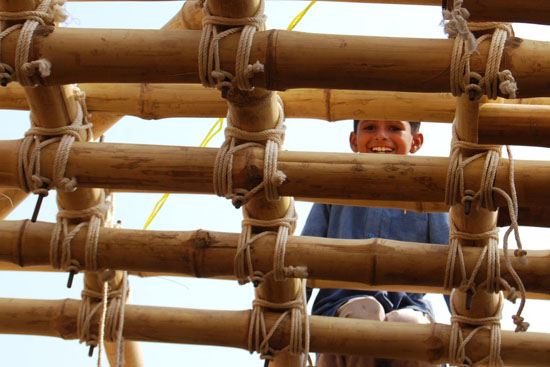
(210, 70)
(30, 73)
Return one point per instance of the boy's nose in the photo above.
(381, 134)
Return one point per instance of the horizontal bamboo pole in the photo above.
(427, 342)
(132, 167)
(291, 59)
(210, 254)
(524, 11)
(312, 283)
(515, 124)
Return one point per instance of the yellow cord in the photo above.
(299, 17)
(216, 128)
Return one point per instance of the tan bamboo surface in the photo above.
(312, 283)
(207, 254)
(427, 342)
(257, 111)
(523, 11)
(478, 220)
(292, 59)
(511, 123)
(135, 167)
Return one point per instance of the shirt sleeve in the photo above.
(438, 228)
(317, 221)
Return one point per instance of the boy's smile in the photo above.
(385, 137)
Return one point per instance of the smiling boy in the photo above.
(349, 222)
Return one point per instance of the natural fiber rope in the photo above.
(462, 79)
(457, 346)
(60, 242)
(484, 198)
(47, 13)
(259, 336)
(210, 70)
(38, 138)
(111, 302)
(223, 180)
(244, 270)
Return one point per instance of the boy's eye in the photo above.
(368, 127)
(395, 128)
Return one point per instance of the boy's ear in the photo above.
(353, 141)
(417, 141)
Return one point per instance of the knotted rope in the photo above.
(457, 346)
(38, 138)
(223, 168)
(484, 198)
(110, 302)
(60, 242)
(462, 78)
(259, 336)
(47, 13)
(210, 70)
(244, 269)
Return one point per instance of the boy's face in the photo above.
(385, 137)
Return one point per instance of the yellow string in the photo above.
(299, 17)
(215, 129)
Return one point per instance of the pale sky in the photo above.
(191, 212)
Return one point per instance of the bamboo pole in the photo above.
(428, 342)
(207, 254)
(311, 283)
(478, 304)
(524, 11)
(188, 169)
(511, 123)
(292, 59)
(257, 111)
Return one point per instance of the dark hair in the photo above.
(415, 126)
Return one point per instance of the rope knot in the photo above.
(508, 85)
(521, 325)
(512, 295)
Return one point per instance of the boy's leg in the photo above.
(366, 308)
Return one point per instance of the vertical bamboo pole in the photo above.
(257, 111)
(481, 220)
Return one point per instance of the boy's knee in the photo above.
(366, 308)
(408, 315)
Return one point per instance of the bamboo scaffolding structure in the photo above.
(291, 59)
(255, 111)
(428, 342)
(208, 254)
(510, 123)
(135, 167)
(524, 11)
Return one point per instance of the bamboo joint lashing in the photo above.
(48, 12)
(210, 70)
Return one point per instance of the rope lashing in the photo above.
(272, 178)
(48, 12)
(62, 235)
(38, 138)
(210, 70)
(111, 303)
(484, 198)
(462, 79)
(458, 343)
(244, 270)
(259, 336)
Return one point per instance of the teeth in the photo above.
(382, 149)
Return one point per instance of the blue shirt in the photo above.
(350, 222)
